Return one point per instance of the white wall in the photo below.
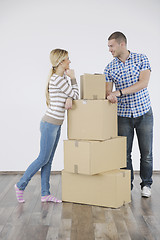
(31, 29)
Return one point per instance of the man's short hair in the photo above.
(118, 36)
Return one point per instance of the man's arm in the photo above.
(109, 87)
(109, 94)
(141, 84)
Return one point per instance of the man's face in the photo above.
(115, 48)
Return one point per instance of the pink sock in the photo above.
(19, 194)
(50, 198)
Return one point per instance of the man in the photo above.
(130, 72)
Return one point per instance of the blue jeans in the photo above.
(50, 134)
(144, 130)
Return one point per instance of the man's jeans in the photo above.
(50, 134)
(144, 130)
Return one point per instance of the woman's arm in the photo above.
(62, 83)
(68, 103)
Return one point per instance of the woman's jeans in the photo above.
(50, 134)
(144, 130)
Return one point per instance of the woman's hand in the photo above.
(70, 73)
(68, 104)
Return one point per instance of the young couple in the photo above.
(130, 73)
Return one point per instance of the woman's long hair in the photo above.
(56, 57)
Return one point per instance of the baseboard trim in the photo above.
(154, 172)
(55, 172)
(22, 172)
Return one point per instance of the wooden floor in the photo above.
(34, 220)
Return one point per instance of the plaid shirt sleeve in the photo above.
(107, 74)
(145, 63)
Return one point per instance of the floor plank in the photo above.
(82, 222)
(131, 224)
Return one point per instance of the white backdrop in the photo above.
(31, 29)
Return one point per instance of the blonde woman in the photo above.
(59, 95)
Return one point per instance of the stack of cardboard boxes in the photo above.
(94, 153)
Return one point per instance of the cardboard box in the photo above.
(92, 86)
(93, 157)
(110, 189)
(92, 120)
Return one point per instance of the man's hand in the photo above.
(68, 104)
(112, 98)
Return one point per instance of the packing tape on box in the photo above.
(95, 97)
(75, 168)
(76, 143)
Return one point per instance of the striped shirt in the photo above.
(59, 91)
(124, 75)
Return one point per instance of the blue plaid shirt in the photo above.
(125, 75)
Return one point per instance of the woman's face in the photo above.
(65, 63)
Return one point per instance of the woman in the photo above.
(59, 95)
